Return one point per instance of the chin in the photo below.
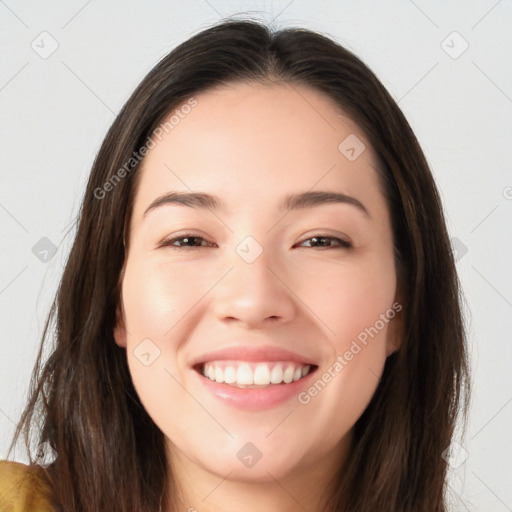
(247, 463)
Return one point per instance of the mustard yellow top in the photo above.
(23, 489)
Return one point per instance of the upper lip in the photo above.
(244, 353)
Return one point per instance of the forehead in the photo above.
(253, 143)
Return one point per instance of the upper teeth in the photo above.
(249, 374)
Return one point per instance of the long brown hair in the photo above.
(111, 456)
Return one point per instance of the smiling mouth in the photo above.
(254, 375)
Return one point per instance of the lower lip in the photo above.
(255, 399)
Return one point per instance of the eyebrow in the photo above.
(291, 202)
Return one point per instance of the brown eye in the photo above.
(324, 241)
(189, 240)
(192, 241)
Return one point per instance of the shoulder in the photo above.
(23, 488)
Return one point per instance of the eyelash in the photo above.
(343, 244)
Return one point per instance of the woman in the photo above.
(261, 307)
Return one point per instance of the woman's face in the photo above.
(275, 289)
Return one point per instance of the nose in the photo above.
(254, 294)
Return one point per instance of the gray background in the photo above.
(57, 108)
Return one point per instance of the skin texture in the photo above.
(251, 145)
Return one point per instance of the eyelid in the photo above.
(344, 243)
(166, 242)
(347, 244)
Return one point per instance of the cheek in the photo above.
(349, 297)
(154, 302)
(355, 306)
(345, 297)
(156, 298)
(340, 301)
(346, 382)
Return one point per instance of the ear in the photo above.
(395, 329)
(120, 329)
